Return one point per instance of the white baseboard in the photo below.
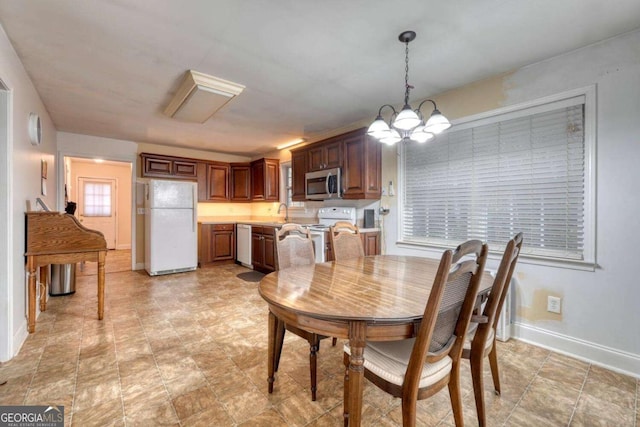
(607, 357)
(139, 266)
(123, 247)
(18, 339)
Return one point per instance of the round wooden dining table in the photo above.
(375, 298)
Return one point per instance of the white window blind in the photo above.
(97, 199)
(489, 179)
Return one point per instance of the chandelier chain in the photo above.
(406, 74)
(407, 123)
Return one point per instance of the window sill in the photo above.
(524, 258)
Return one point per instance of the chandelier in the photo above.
(408, 124)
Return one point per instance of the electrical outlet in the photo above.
(554, 304)
(140, 211)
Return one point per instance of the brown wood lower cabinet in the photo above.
(263, 248)
(216, 242)
(371, 242)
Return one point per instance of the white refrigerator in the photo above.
(171, 227)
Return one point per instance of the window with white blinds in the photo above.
(488, 179)
(97, 199)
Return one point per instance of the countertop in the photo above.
(239, 220)
(265, 222)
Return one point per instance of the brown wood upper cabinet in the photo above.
(358, 156)
(265, 180)
(325, 156)
(219, 181)
(362, 167)
(213, 182)
(240, 182)
(298, 169)
(159, 166)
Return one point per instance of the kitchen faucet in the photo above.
(286, 211)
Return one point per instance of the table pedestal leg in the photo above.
(357, 342)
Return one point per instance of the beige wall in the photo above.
(484, 95)
(121, 172)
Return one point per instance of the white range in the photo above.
(326, 218)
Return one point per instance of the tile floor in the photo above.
(190, 350)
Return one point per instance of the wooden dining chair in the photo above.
(417, 368)
(294, 247)
(346, 241)
(481, 337)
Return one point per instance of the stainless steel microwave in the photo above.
(323, 185)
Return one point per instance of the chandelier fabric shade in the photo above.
(408, 124)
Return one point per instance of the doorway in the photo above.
(101, 190)
(97, 206)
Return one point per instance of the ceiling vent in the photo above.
(200, 96)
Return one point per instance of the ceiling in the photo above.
(109, 67)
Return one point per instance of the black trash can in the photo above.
(63, 279)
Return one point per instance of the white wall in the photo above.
(87, 146)
(22, 184)
(600, 309)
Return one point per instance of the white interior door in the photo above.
(97, 206)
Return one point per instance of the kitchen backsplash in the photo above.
(270, 210)
(224, 209)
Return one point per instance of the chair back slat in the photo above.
(346, 241)
(294, 247)
(449, 312)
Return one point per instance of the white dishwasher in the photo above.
(243, 245)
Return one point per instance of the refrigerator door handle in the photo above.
(195, 208)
